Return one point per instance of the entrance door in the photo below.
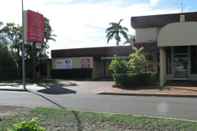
(181, 62)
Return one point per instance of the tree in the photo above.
(11, 35)
(41, 53)
(116, 31)
(7, 64)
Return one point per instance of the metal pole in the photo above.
(23, 48)
(181, 5)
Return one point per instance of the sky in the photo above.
(82, 23)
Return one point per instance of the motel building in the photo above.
(169, 41)
(175, 36)
(85, 63)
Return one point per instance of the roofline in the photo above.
(159, 20)
(165, 14)
(90, 48)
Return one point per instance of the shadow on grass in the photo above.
(51, 87)
(75, 113)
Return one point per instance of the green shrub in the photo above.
(137, 61)
(118, 68)
(131, 79)
(32, 125)
(142, 79)
(132, 73)
(121, 79)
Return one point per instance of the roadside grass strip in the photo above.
(70, 120)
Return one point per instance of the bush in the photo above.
(137, 61)
(131, 79)
(118, 67)
(32, 125)
(142, 79)
(121, 79)
(132, 73)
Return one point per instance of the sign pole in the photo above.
(23, 48)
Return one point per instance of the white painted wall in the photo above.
(178, 34)
(147, 35)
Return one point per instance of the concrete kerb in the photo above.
(19, 90)
(147, 95)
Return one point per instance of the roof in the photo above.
(92, 52)
(160, 20)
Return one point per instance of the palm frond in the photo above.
(109, 37)
(125, 29)
(120, 21)
(125, 35)
(109, 33)
(109, 29)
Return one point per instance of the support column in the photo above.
(94, 70)
(162, 67)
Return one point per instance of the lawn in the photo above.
(66, 120)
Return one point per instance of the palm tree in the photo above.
(116, 30)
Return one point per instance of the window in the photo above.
(193, 60)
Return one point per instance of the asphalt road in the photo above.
(181, 108)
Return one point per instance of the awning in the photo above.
(178, 34)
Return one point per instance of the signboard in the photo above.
(86, 62)
(62, 63)
(73, 63)
(34, 26)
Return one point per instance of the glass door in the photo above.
(181, 62)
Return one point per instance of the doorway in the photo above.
(181, 62)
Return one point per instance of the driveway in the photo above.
(90, 87)
(82, 97)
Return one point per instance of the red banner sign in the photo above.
(34, 27)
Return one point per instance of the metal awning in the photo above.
(110, 58)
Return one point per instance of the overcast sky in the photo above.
(82, 23)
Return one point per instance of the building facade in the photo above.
(86, 62)
(174, 35)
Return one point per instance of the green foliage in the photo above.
(115, 31)
(119, 68)
(61, 120)
(32, 125)
(118, 65)
(11, 37)
(137, 61)
(132, 72)
(7, 65)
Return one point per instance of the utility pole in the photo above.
(181, 4)
(23, 48)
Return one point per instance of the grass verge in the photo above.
(66, 120)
